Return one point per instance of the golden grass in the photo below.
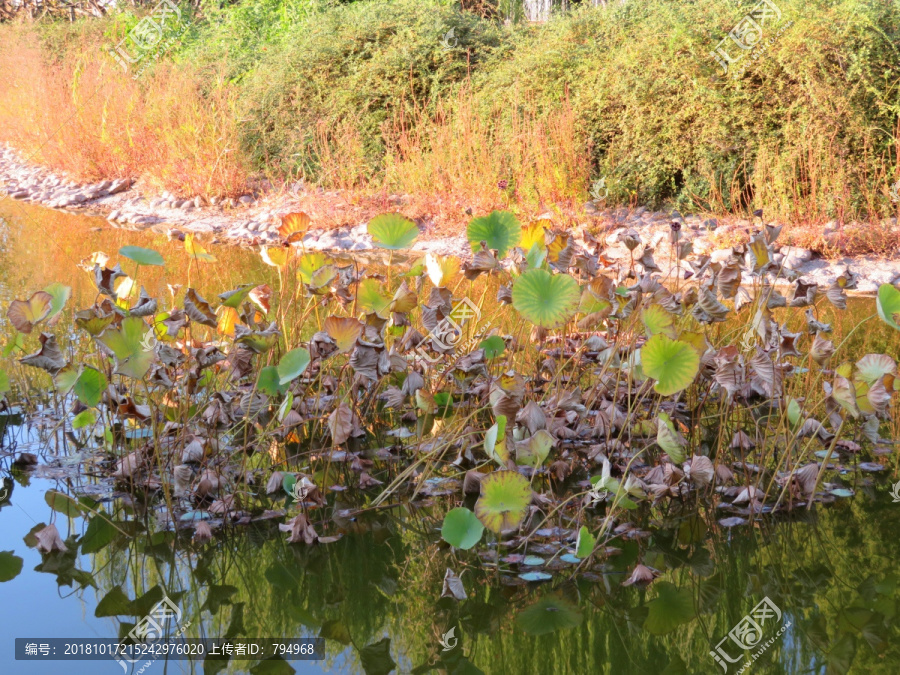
(83, 115)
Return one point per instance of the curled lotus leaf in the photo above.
(234, 298)
(25, 314)
(887, 303)
(48, 357)
(275, 256)
(504, 500)
(145, 305)
(198, 309)
(668, 438)
(294, 226)
(257, 341)
(105, 279)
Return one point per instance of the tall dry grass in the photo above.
(80, 113)
(459, 151)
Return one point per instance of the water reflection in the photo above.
(375, 595)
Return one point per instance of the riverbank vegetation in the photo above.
(467, 110)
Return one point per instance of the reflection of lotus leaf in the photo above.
(392, 231)
(549, 614)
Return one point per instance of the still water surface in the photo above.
(375, 594)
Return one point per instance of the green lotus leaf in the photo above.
(658, 321)
(462, 528)
(669, 439)
(493, 346)
(134, 352)
(672, 363)
(292, 365)
(85, 418)
(495, 441)
(585, 544)
(536, 449)
(369, 297)
(392, 231)
(505, 496)
(142, 256)
(546, 299)
(234, 298)
(309, 264)
(89, 386)
(888, 305)
(270, 382)
(60, 294)
(62, 503)
(4, 382)
(501, 231)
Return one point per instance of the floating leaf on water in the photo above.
(500, 230)
(550, 613)
(842, 492)
(461, 528)
(505, 496)
(194, 516)
(570, 558)
(25, 314)
(545, 299)
(871, 466)
(533, 561)
(142, 256)
(392, 231)
(672, 363)
(733, 521)
(536, 576)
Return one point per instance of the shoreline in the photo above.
(253, 221)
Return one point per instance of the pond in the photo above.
(821, 582)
